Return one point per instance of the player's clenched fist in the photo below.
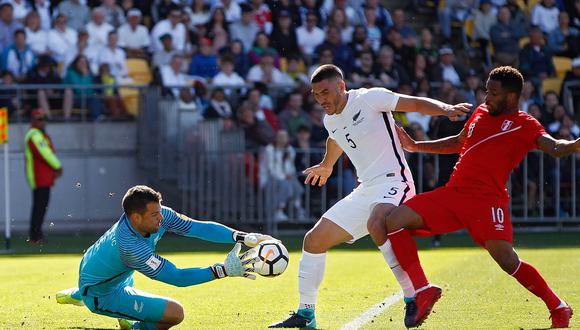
(319, 173)
(458, 111)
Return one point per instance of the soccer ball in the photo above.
(273, 258)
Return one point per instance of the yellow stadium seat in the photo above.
(139, 71)
(524, 41)
(562, 64)
(552, 85)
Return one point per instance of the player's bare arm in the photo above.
(321, 172)
(448, 145)
(557, 148)
(432, 107)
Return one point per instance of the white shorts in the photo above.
(353, 211)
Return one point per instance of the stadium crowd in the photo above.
(249, 62)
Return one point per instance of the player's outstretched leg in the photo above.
(70, 296)
(529, 277)
(317, 241)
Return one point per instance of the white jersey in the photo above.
(365, 131)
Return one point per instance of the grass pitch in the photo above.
(477, 294)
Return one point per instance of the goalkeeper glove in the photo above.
(235, 265)
(251, 239)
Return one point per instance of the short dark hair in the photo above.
(510, 78)
(19, 31)
(324, 72)
(137, 198)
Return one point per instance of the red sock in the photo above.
(530, 278)
(405, 250)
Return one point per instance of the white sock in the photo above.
(400, 274)
(310, 276)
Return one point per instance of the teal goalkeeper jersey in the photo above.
(109, 263)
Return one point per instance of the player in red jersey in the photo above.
(493, 141)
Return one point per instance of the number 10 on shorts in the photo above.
(497, 217)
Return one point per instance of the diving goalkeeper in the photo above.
(106, 271)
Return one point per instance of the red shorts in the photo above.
(448, 209)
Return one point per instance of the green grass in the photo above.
(477, 294)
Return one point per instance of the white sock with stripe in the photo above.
(310, 277)
(400, 274)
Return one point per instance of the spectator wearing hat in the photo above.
(98, 29)
(448, 69)
(77, 12)
(61, 39)
(246, 28)
(133, 36)
(42, 169)
(283, 37)
(8, 25)
(505, 37)
(36, 37)
(204, 63)
(113, 13)
(18, 58)
(172, 25)
(565, 39)
(536, 57)
(163, 56)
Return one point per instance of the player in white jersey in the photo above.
(360, 123)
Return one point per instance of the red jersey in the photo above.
(495, 145)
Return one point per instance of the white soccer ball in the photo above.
(273, 258)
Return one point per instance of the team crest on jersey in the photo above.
(356, 119)
(470, 130)
(507, 124)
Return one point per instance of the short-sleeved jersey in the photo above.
(365, 131)
(112, 259)
(494, 146)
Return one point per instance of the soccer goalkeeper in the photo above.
(106, 272)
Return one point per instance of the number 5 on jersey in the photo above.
(350, 141)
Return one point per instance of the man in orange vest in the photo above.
(42, 168)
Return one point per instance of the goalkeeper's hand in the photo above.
(235, 265)
(251, 239)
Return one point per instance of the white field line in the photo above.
(372, 312)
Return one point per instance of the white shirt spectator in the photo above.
(43, 10)
(129, 38)
(117, 61)
(98, 34)
(20, 62)
(419, 118)
(92, 55)
(545, 18)
(233, 12)
(308, 40)
(451, 75)
(20, 8)
(61, 42)
(223, 80)
(177, 34)
(257, 74)
(172, 78)
(38, 41)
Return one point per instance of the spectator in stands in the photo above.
(545, 15)
(198, 13)
(339, 19)
(241, 60)
(262, 111)
(565, 39)
(83, 48)
(283, 37)
(115, 57)
(173, 78)
(267, 73)
(568, 123)
(318, 133)
(365, 71)
(529, 96)
(227, 77)
(536, 57)
(98, 29)
(518, 16)
(21, 9)
(483, 19)
(359, 42)
(217, 29)
(204, 63)
(305, 155)
(174, 27)
(161, 9)
(260, 47)
(382, 16)
(573, 10)
(407, 32)
(232, 10)
(293, 116)
(404, 54)
(296, 69)
(454, 10)
(389, 73)
(342, 54)
(326, 56)
(134, 37)
(374, 31)
(18, 58)
(262, 15)
(472, 83)
(79, 74)
(278, 177)
(8, 98)
(44, 10)
(61, 39)
(257, 132)
(505, 36)
(113, 13)
(45, 73)
(448, 69)
(42, 169)
(557, 116)
(8, 25)
(110, 95)
(218, 107)
(421, 69)
(36, 37)
(245, 29)
(163, 56)
(427, 47)
(551, 101)
(309, 35)
(76, 12)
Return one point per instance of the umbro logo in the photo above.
(499, 227)
(355, 117)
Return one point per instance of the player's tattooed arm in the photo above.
(448, 145)
(557, 148)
